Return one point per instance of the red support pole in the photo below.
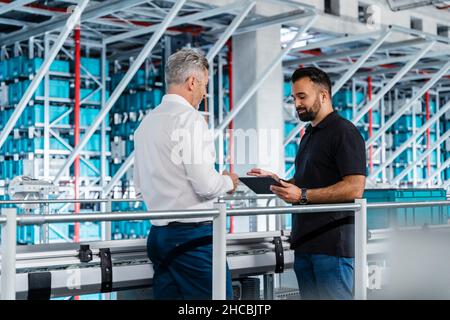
(427, 114)
(76, 164)
(230, 126)
(369, 96)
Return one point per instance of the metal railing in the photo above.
(9, 221)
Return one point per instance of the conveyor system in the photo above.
(69, 269)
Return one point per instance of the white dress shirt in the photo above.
(174, 160)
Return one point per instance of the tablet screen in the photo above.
(259, 185)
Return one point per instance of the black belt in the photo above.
(189, 224)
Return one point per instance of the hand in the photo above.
(234, 177)
(289, 192)
(256, 172)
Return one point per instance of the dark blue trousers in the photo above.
(324, 277)
(189, 276)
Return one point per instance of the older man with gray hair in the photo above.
(174, 170)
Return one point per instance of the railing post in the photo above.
(8, 281)
(106, 227)
(361, 270)
(219, 253)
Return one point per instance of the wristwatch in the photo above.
(303, 198)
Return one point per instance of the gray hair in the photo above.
(183, 64)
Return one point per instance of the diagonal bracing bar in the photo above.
(121, 86)
(443, 166)
(436, 173)
(407, 143)
(70, 24)
(408, 105)
(392, 82)
(422, 157)
(354, 67)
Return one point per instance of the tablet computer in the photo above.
(259, 185)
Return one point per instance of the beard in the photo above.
(309, 115)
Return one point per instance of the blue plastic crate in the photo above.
(138, 80)
(4, 70)
(94, 143)
(291, 150)
(288, 127)
(93, 65)
(156, 97)
(346, 113)
(90, 231)
(344, 98)
(87, 115)
(57, 89)
(407, 177)
(376, 118)
(405, 123)
(35, 115)
(15, 67)
(86, 171)
(400, 138)
(32, 66)
(405, 157)
(287, 89)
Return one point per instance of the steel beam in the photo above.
(353, 52)
(354, 67)
(414, 59)
(93, 12)
(14, 5)
(70, 23)
(121, 86)
(17, 23)
(406, 144)
(375, 63)
(403, 109)
(419, 33)
(252, 90)
(422, 157)
(282, 18)
(179, 21)
(346, 38)
(229, 31)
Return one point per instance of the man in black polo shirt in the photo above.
(330, 167)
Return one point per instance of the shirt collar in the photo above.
(177, 99)
(329, 119)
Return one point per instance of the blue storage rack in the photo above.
(344, 98)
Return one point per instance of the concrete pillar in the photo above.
(259, 127)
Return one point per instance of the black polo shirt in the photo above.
(332, 149)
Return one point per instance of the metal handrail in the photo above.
(219, 233)
(391, 205)
(50, 201)
(30, 219)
